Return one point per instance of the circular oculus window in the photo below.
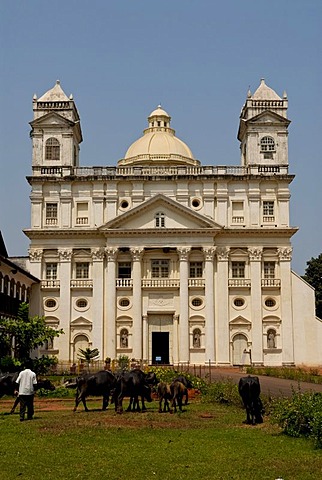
(196, 203)
(270, 302)
(81, 303)
(239, 302)
(124, 302)
(124, 204)
(50, 303)
(197, 302)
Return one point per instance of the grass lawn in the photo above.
(206, 441)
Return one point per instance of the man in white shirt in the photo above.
(26, 381)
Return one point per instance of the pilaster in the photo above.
(183, 253)
(210, 354)
(136, 253)
(221, 305)
(65, 258)
(255, 257)
(110, 301)
(98, 256)
(285, 256)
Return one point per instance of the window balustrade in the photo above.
(196, 282)
(271, 282)
(50, 284)
(239, 282)
(160, 282)
(81, 283)
(124, 282)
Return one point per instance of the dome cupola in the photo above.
(158, 145)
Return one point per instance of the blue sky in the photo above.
(198, 58)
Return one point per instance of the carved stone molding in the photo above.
(284, 254)
(183, 253)
(136, 253)
(35, 254)
(255, 253)
(65, 254)
(111, 253)
(98, 253)
(223, 254)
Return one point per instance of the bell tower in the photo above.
(55, 131)
(263, 128)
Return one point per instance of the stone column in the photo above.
(285, 256)
(145, 342)
(136, 253)
(255, 256)
(65, 270)
(210, 354)
(175, 340)
(110, 304)
(98, 256)
(35, 257)
(183, 253)
(222, 307)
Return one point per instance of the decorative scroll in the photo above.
(65, 254)
(98, 253)
(183, 253)
(35, 254)
(136, 253)
(223, 254)
(255, 253)
(285, 253)
(111, 253)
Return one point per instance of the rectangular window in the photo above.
(82, 213)
(237, 212)
(51, 271)
(238, 269)
(195, 269)
(268, 208)
(82, 270)
(160, 268)
(160, 220)
(124, 270)
(269, 269)
(51, 213)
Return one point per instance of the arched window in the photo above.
(52, 149)
(124, 338)
(267, 144)
(159, 220)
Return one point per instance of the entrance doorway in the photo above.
(160, 347)
(240, 353)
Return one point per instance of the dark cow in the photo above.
(178, 390)
(97, 384)
(164, 395)
(186, 382)
(8, 386)
(249, 390)
(133, 384)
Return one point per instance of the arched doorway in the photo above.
(239, 346)
(81, 341)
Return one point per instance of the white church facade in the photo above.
(164, 259)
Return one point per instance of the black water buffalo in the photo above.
(178, 391)
(8, 386)
(249, 390)
(164, 395)
(97, 384)
(186, 382)
(133, 384)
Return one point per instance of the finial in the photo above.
(249, 93)
(71, 97)
(57, 82)
(34, 98)
(284, 95)
(263, 81)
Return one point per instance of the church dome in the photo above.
(158, 145)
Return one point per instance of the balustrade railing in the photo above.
(271, 282)
(50, 284)
(239, 282)
(124, 282)
(196, 282)
(81, 283)
(160, 282)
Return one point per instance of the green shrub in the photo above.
(301, 415)
(222, 392)
(9, 364)
(60, 392)
(165, 374)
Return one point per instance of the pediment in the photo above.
(268, 117)
(81, 323)
(81, 254)
(52, 119)
(177, 216)
(240, 320)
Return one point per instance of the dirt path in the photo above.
(276, 387)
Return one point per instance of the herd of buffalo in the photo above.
(137, 385)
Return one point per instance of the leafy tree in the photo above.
(88, 355)
(313, 275)
(20, 336)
